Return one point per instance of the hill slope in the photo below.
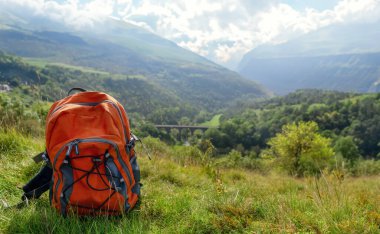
(52, 82)
(119, 48)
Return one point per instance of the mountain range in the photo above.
(339, 57)
(344, 57)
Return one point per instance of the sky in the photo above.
(223, 30)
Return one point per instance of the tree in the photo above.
(347, 147)
(217, 138)
(301, 149)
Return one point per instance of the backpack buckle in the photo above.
(130, 145)
(96, 160)
(41, 157)
(45, 157)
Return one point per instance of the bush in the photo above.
(188, 155)
(366, 167)
(300, 149)
(154, 146)
(27, 119)
(236, 160)
(347, 148)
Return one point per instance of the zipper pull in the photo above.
(76, 147)
(68, 151)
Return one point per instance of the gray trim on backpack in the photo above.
(136, 174)
(101, 140)
(67, 174)
(118, 183)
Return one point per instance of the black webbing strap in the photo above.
(39, 184)
(76, 89)
(41, 157)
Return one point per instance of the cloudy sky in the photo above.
(222, 30)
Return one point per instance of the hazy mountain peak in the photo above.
(341, 57)
(331, 40)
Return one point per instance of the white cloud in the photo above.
(221, 30)
(224, 31)
(73, 13)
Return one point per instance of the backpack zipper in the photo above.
(74, 103)
(95, 104)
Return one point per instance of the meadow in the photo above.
(187, 191)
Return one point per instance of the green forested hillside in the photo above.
(51, 83)
(141, 97)
(137, 92)
(246, 124)
(250, 125)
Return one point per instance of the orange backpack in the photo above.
(90, 148)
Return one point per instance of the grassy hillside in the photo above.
(184, 192)
(214, 122)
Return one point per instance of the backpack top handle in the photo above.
(76, 89)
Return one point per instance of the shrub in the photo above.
(236, 160)
(366, 167)
(154, 146)
(347, 147)
(300, 149)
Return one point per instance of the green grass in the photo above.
(184, 193)
(43, 63)
(214, 122)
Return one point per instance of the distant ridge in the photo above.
(339, 57)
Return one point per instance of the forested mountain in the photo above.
(339, 57)
(52, 82)
(116, 47)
